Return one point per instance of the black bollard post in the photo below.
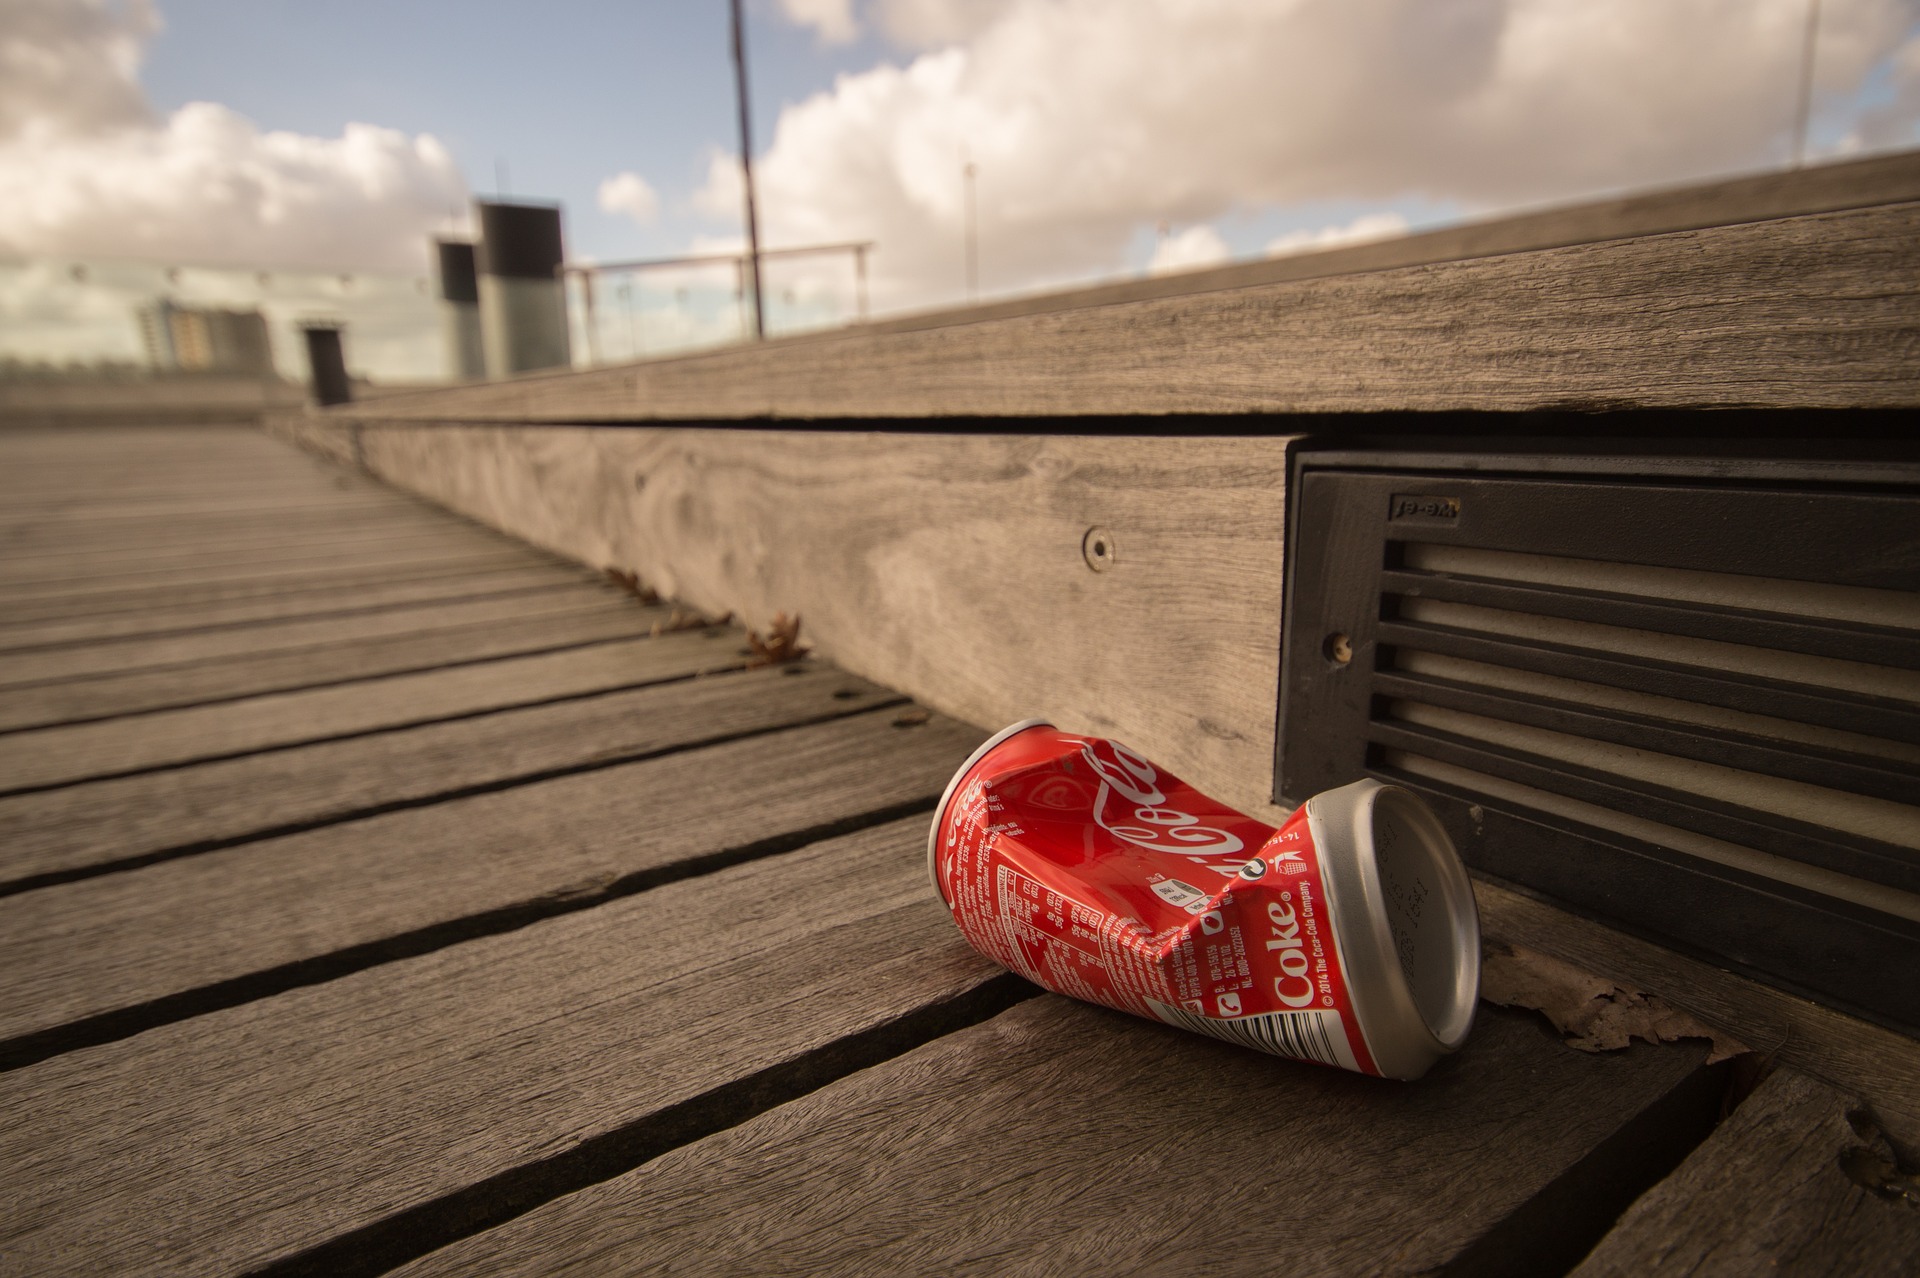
(328, 364)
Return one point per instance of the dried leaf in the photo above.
(1592, 1013)
(781, 644)
(629, 581)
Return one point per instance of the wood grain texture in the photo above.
(948, 566)
(565, 596)
(1858, 1057)
(131, 556)
(54, 756)
(128, 818)
(184, 581)
(83, 949)
(161, 619)
(1060, 1138)
(218, 1145)
(420, 648)
(1822, 188)
(346, 579)
(1802, 312)
(1771, 1192)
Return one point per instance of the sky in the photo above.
(1108, 137)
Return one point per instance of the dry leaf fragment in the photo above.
(781, 645)
(629, 581)
(1592, 1013)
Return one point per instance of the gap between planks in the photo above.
(485, 1076)
(108, 826)
(95, 960)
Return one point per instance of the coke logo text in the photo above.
(1128, 785)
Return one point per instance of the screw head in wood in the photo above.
(1098, 549)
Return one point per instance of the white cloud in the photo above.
(935, 24)
(1089, 118)
(832, 20)
(67, 66)
(1369, 226)
(629, 193)
(1195, 247)
(723, 195)
(86, 171)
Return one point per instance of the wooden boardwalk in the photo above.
(377, 892)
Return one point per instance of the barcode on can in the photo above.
(1305, 1036)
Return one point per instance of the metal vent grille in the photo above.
(1690, 708)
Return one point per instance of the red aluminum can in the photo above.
(1348, 936)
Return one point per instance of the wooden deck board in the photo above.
(569, 957)
(1797, 1181)
(466, 554)
(1060, 1138)
(118, 562)
(82, 660)
(99, 946)
(138, 691)
(125, 820)
(345, 580)
(63, 754)
(220, 1144)
(160, 619)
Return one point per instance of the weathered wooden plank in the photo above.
(60, 755)
(563, 597)
(161, 619)
(172, 534)
(1797, 1181)
(186, 582)
(950, 566)
(133, 555)
(1060, 1138)
(220, 1145)
(96, 512)
(255, 589)
(1858, 1057)
(1823, 188)
(103, 945)
(130, 819)
(1820, 311)
(422, 648)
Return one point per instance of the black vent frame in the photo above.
(1447, 679)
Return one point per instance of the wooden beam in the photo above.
(1819, 311)
(952, 567)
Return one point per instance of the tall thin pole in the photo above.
(973, 238)
(1806, 84)
(746, 165)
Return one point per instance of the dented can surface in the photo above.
(1348, 936)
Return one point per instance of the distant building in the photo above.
(200, 339)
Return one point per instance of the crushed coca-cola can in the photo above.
(1348, 936)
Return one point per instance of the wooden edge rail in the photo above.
(1795, 291)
